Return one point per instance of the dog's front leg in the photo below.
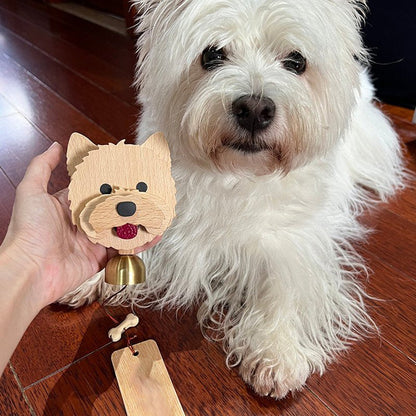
(267, 341)
(298, 312)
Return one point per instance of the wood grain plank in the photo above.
(46, 110)
(392, 241)
(114, 115)
(404, 203)
(394, 308)
(405, 114)
(86, 388)
(89, 36)
(111, 78)
(12, 402)
(63, 335)
(20, 143)
(405, 129)
(42, 107)
(6, 109)
(372, 379)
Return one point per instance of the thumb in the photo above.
(40, 169)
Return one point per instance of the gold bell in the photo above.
(125, 270)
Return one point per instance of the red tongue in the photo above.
(127, 231)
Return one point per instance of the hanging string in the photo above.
(129, 339)
(107, 301)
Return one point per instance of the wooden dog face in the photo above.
(122, 196)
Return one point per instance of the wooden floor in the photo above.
(59, 74)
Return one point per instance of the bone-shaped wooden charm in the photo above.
(130, 321)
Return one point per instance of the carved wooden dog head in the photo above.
(121, 195)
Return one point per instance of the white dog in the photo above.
(276, 147)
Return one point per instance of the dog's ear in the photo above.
(78, 148)
(158, 144)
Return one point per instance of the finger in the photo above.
(39, 171)
(148, 245)
(62, 196)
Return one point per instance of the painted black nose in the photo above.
(253, 113)
(126, 209)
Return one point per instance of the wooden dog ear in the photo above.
(158, 144)
(78, 148)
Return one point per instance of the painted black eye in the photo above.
(212, 58)
(295, 63)
(105, 188)
(141, 187)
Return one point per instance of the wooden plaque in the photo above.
(144, 382)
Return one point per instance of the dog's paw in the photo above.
(275, 380)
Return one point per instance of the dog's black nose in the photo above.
(253, 113)
(126, 209)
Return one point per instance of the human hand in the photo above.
(41, 236)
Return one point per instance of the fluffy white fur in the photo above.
(264, 240)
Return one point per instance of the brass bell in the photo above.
(125, 270)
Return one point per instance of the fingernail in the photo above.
(52, 146)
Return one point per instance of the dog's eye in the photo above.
(141, 187)
(105, 188)
(212, 57)
(295, 62)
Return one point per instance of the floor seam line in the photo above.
(22, 389)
